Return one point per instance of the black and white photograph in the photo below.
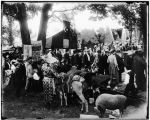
(74, 59)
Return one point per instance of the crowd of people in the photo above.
(110, 60)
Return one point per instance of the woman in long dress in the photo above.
(49, 76)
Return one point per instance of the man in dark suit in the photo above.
(59, 55)
(105, 65)
(86, 59)
(79, 59)
(101, 62)
(73, 58)
(7, 62)
(121, 64)
(76, 58)
(139, 68)
(67, 57)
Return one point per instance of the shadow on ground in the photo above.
(33, 106)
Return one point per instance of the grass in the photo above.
(33, 106)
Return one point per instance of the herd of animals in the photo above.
(85, 85)
(81, 85)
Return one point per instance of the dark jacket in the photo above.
(20, 76)
(67, 58)
(139, 65)
(120, 63)
(86, 62)
(73, 60)
(79, 61)
(59, 56)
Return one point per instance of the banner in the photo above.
(36, 49)
(27, 51)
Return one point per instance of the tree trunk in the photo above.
(43, 25)
(25, 35)
(130, 37)
(22, 18)
(144, 26)
(10, 23)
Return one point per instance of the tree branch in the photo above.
(66, 10)
(58, 18)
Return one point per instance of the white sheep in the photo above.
(111, 102)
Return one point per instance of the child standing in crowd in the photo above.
(36, 79)
(29, 74)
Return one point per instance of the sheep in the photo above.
(111, 102)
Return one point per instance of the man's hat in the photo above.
(99, 51)
(79, 50)
(29, 58)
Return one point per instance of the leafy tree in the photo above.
(18, 12)
(45, 17)
(4, 32)
(134, 14)
(128, 15)
(32, 9)
(100, 10)
(142, 23)
(10, 32)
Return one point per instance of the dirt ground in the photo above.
(32, 106)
